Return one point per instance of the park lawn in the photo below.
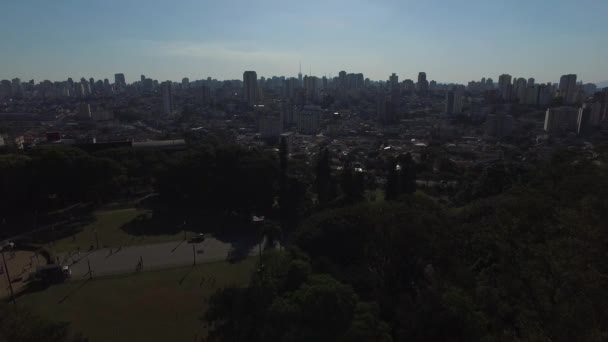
(165, 305)
(108, 225)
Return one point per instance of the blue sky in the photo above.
(452, 40)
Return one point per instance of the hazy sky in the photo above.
(452, 40)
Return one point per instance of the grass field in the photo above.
(162, 305)
(108, 224)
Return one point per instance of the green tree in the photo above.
(323, 178)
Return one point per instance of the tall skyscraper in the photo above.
(185, 83)
(300, 76)
(453, 102)
(250, 87)
(84, 111)
(6, 89)
(120, 84)
(561, 119)
(308, 119)
(567, 88)
(583, 122)
(289, 87)
(311, 87)
(166, 90)
(86, 87)
(505, 87)
(393, 81)
(499, 125)
(16, 87)
(531, 81)
(520, 89)
(423, 84)
(142, 78)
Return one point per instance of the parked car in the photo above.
(51, 274)
(197, 239)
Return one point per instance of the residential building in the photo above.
(561, 119)
(568, 88)
(84, 111)
(583, 121)
(270, 126)
(250, 87)
(453, 102)
(166, 90)
(423, 84)
(499, 125)
(308, 119)
(120, 84)
(505, 87)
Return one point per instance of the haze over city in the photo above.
(296, 171)
(451, 41)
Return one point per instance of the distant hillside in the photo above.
(602, 84)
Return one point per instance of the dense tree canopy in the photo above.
(525, 262)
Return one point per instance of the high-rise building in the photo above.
(308, 119)
(86, 87)
(271, 126)
(300, 84)
(583, 121)
(408, 85)
(342, 82)
(561, 119)
(6, 89)
(185, 83)
(505, 87)
(107, 87)
(531, 81)
(250, 87)
(289, 87)
(567, 88)
(532, 93)
(423, 84)
(520, 89)
(78, 90)
(92, 84)
(489, 84)
(84, 111)
(589, 89)
(499, 125)
(120, 84)
(393, 81)
(596, 114)
(16, 87)
(311, 87)
(385, 109)
(453, 102)
(166, 90)
(205, 95)
(287, 112)
(545, 95)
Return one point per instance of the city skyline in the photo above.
(220, 40)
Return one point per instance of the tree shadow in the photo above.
(60, 231)
(228, 228)
(153, 223)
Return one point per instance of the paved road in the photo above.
(112, 261)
